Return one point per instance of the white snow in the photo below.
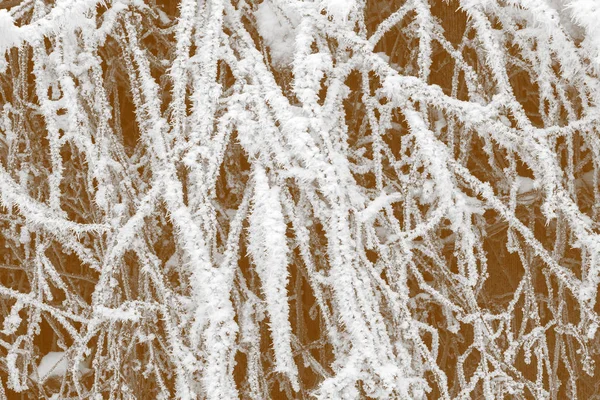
(55, 364)
(9, 33)
(526, 184)
(278, 32)
(52, 364)
(339, 9)
(173, 262)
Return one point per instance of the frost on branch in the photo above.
(268, 247)
(289, 199)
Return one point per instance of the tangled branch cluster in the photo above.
(344, 199)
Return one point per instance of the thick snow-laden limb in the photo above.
(269, 250)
